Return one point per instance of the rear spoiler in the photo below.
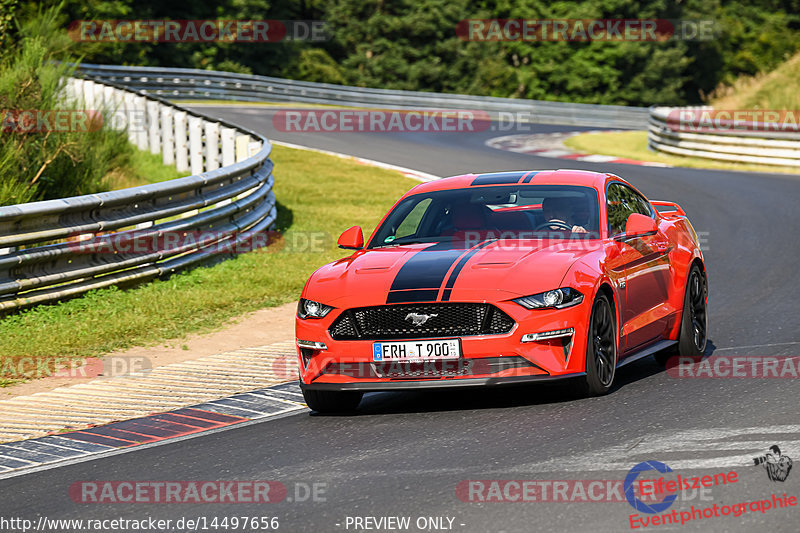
(673, 205)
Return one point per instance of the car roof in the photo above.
(585, 178)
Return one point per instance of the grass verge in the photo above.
(312, 205)
(633, 145)
(139, 168)
(779, 89)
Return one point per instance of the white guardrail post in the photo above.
(140, 106)
(181, 142)
(153, 126)
(167, 136)
(196, 145)
(212, 145)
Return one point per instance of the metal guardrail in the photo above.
(183, 84)
(758, 143)
(55, 249)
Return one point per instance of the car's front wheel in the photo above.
(601, 350)
(323, 401)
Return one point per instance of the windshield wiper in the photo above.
(403, 241)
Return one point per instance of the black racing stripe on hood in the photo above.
(412, 296)
(457, 270)
(427, 268)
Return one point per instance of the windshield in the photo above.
(505, 212)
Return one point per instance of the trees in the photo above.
(413, 45)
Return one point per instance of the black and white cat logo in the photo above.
(775, 463)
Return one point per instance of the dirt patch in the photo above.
(261, 327)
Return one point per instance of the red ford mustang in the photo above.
(503, 278)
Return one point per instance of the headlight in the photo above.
(312, 309)
(557, 299)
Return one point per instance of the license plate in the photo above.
(416, 350)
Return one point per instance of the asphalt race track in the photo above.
(405, 454)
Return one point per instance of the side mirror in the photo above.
(639, 225)
(352, 239)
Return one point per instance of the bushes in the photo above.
(42, 163)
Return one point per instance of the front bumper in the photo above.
(487, 360)
(390, 385)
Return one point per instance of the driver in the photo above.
(560, 212)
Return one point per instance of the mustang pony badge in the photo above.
(417, 319)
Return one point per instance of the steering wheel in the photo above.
(554, 223)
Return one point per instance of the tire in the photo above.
(601, 350)
(693, 334)
(325, 402)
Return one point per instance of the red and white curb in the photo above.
(90, 443)
(552, 145)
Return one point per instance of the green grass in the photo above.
(779, 89)
(139, 168)
(633, 145)
(318, 194)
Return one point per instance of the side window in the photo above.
(410, 224)
(622, 201)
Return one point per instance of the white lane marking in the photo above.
(411, 173)
(681, 450)
(18, 459)
(757, 346)
(596, 158)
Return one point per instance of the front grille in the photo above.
(393, 321)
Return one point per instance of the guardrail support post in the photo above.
(99, 94)
(196, 145)
(242, 147)
(88, 94)
(140, 105)
(133, 121)
(212, 145)
(181, 142)
(167, 136)
(153, 127)
(228, 147)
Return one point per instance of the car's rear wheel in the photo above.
(694, 322)
(601, 350)
(323, 401)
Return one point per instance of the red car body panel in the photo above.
(645, 277)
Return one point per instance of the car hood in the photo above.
(493, 271)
